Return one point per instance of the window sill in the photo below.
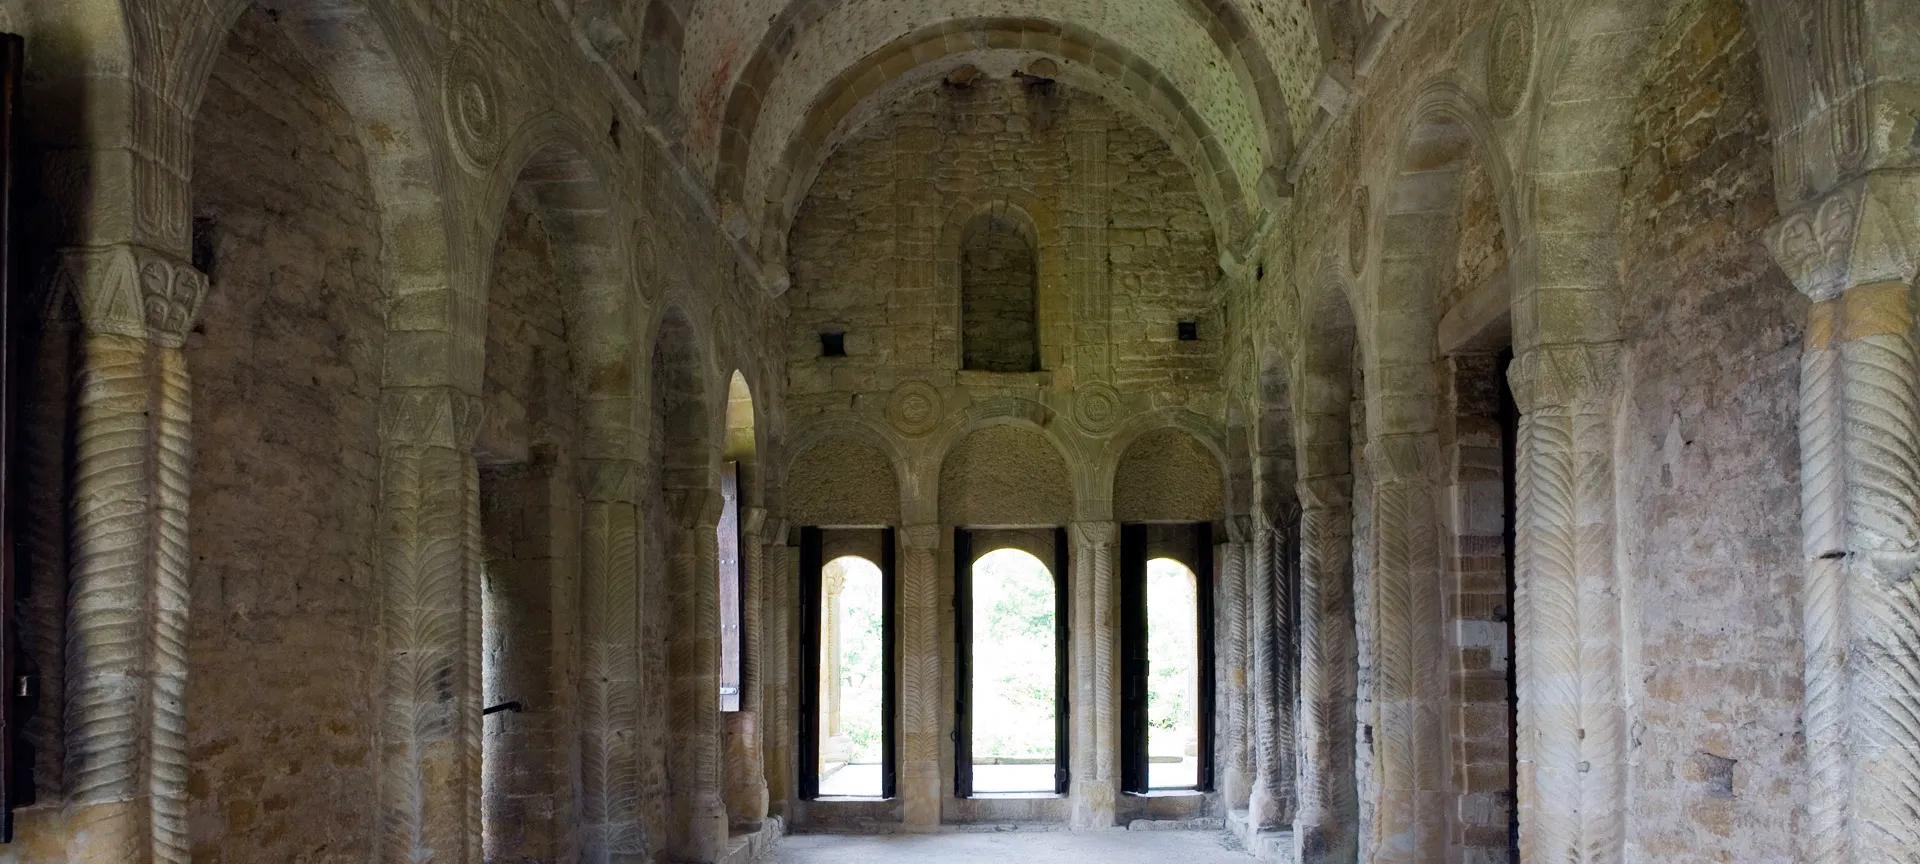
(1170, 793)
(1013, 796)
(1003, 380)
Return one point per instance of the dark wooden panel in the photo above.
(963, 663)
(809, 719)
(889, 667)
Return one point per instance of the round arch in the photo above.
(1004, 474)
(1168, 474)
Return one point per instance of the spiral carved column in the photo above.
(610, 717)
(1409, 824)
(1270, 805)
(430, 564)
(1236, 695)
(693, 661)
(1095, 608)
(779, 721)
(1851, 253)
(127, 602)
(1324, 826)
(922, 705)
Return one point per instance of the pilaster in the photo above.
(610, 717)
(921, 786)
(1094, 762)
(1324, 825)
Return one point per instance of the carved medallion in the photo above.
(1096, 407)
(1510, 62)
(914, 409)
(1358, 214)
(472, 101)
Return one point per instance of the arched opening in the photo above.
(740, 590)
(1173, 675)
(286, 365)
(999, 294)
(851, 751)
(1013, 694)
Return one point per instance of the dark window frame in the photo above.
(963, 561)
(732, 600)
(812, 568)
(1135, 552)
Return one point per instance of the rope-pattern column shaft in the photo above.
(922, 704)
(1238, 681)
(694, 657)
(1327, 807)
(1095, 782)
(1267, 806)
(1409, 819)
(610, 716)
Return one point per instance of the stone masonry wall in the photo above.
(999, 278)
(286, 369)
(1708, 462)
(996, 140)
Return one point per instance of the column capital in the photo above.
(1564, 375)
(127, 290)
(610, 481)
(430, 417)
(1239, 528)
(1094, 533)
(1327, 492)
(925, 535)
(694, 508)
(752, 520)
(1402, 458)
(1865, 232)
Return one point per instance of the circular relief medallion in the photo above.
(914, 409)
(1510, 62)
(1096, 407)
(472, 102)
(1358, 213)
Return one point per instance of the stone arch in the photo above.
(1082, 57)
(1007, 473)
(1447, 134)
(842, 476)
(957, 426)
(1169, 474)
(684, 424)
(1222, 19)
(374, 62)
(1097, 480)
(1038, 221)
(1580, 138)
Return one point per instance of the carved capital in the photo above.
(127, 290)
(610, 481)
(1240, 529)
(924, 536)
(694, 509)
(1564, 375)
(1331, 492)
(752, 519)
(1094, 533)
(1402, 458)
(430, 417)
(1864, 233)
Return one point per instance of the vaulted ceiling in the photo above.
(755, 94)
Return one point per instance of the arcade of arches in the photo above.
(1442, 432)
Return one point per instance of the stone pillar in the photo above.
(1324, 826)
(746, 739)
(779, 726)
(1851, 253)
(430, 568)
(693, 662)
(835, 747)
(1271, 802)
(1084, 219)
(1409, 675)
(126, 618)
(1095, 782)
(1236, 781)
(922, 703)
(612, 830)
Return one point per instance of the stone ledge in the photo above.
(753, 845)
(1262, 845)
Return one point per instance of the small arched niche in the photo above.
(999, 293)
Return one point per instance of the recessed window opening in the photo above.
(851, 746)
(999, 295)
(1014, 679)
(1173, 676)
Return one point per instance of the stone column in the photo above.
(1271, 803)
(693, 661)
(1409, 677)
(126, 618)
(1324, 826)
(779, 724)
(1236, 694)
(430, 568)
(922, 704)
(836, 747)
(1853, 255)
(746, 740)
(1095, 783)
(612, 831)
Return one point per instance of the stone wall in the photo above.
(1709, 456)
(287, 361)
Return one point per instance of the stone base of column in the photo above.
(920, 787)
(1272, 846)
(1092, 805)
(1322, 844)
(1266, 811)
(706, 830)
(1236, 787)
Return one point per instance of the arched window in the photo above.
(999, 288)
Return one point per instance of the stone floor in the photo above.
(1021, 847)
